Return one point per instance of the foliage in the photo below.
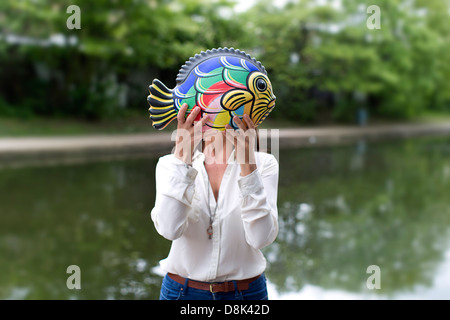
(106, 65)
(324, 62)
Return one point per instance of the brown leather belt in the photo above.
(214, 286)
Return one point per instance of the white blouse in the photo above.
(245, 221)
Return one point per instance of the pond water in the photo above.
(341, 210)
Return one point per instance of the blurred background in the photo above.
(342, 207)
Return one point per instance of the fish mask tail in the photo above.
(162, 109)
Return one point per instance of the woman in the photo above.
(218, 212)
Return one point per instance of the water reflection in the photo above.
(336, 219)
(341, 209)
(92, 215)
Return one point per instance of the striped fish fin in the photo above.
(162, 109)
(234, 99)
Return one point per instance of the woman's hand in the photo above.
(189, 134)
(244, 141)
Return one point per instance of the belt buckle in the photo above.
(211, 287)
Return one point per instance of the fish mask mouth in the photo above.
(260, 114)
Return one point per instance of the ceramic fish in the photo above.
(223, 82)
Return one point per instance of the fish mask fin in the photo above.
(162, 110)
(236, 98)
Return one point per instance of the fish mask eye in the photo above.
(261, 84)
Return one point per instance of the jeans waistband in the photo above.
(214, 287)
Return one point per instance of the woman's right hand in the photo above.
(189, 134)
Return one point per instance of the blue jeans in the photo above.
(172, 290)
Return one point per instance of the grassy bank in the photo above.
(37, 126)
(137, 123)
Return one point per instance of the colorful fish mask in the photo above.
(223, 82)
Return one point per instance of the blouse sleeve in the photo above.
(258, 192)
(174, 191)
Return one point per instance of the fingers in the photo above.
(190, 119)
(249, 121)
(181, 113)
(204, 119)
(243, 127)
(199, 125)
(239, 123)
(230, 130)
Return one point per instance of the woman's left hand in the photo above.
(244, 141)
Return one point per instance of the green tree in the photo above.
(107, 65)
(325, 63)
